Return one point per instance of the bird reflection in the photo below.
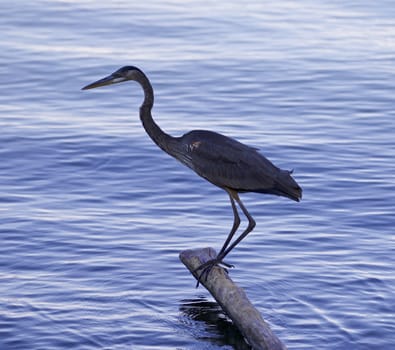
(223, 331)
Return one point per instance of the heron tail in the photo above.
(287, 186)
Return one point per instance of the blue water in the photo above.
(93, 215)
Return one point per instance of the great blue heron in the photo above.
(219, 159)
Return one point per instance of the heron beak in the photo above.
(111, 79)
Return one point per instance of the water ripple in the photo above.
(93, 215)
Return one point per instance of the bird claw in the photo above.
(207, 267)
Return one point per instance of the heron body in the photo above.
(230, 164)
(221, 160)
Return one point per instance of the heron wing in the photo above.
(226, 162)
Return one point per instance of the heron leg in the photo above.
(207, 266)
(236, 224)
(250, 227)
(225, 250)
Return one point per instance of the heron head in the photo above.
(122, 74)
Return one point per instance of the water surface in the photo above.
(93, 215)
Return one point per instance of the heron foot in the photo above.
(207, 267)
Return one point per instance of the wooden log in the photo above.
(233, 301)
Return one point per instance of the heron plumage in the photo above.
(226, 162)
(223, 161)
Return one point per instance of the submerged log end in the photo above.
(233, 301)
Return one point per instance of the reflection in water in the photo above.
(202, 310)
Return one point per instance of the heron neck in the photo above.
(165, 141)
(157, 135)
